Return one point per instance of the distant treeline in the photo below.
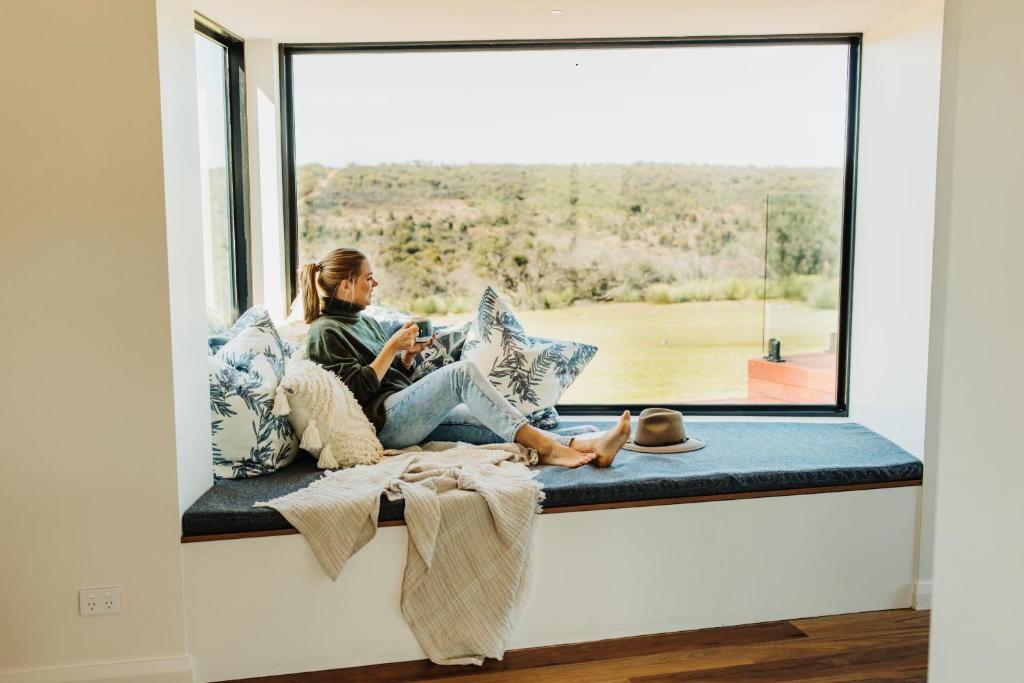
(550, 235)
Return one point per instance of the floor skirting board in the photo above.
(169, 670)
(263, 606)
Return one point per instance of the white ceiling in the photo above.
(335, 21)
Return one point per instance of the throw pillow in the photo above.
(295, 328)
(256, 316)
(248, 440)
(545, 418)
(447, 348)
(531, 372)
(327, 416)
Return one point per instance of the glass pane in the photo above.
(616, 196)
(801, 308)
(215, 181)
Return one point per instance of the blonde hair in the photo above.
(337, 267)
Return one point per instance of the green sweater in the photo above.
(345, 342)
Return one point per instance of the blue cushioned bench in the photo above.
(740, 458)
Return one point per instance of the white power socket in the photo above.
(95, 601)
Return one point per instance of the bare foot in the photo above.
(563, 456)
(584, 446)
(607, 447)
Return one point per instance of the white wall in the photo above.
(895, 218)
(267, 219)
(176, 35)
(895, 214)
(975, 371)
(88, 491)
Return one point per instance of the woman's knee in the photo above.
(467, 374)
(467, 369)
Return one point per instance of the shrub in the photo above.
(824, 294)
(732, 289)
(739, 288)
(692, 290)
(791, 287)
(459, 304)
(426, 305)
(658, 294)
(626, 294)
(553, 299)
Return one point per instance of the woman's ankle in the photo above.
(530, 437)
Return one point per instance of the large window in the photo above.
(221, 98)
(685, 205)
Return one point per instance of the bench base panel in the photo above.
(263, 606)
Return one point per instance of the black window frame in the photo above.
(853, 42)
(238, 160)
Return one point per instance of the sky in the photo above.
(760, 105)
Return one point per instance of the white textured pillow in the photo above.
(326, 415)
(294, 328)
(531, 372)
(248, 440)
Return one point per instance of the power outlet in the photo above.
(96, 601)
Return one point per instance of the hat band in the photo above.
(658, 445)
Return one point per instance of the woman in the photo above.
(377, 369)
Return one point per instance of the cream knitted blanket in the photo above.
(470, 512)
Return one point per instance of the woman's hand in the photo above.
(409, 356)
(417, 347)
(404, 339)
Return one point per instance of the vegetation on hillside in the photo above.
(553, 235)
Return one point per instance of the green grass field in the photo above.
(675, 353)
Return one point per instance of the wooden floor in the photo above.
(871, 646)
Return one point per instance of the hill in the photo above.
(551, 235)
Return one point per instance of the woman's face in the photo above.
(361, 293)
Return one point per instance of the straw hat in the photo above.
(661, 430)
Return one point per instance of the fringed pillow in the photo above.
(327, 417)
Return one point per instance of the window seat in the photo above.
(741, 459)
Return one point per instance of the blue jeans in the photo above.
(416, 413)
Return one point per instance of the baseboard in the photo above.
(169, 670)
(923, 595)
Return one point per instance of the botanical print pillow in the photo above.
(532, 373)
(248, 440)
(545, 418)
(256, 316)
(447, 348)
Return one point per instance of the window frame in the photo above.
(853, 42)
(237, 159)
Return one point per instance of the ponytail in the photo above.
(310, 295)
(316, 279)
